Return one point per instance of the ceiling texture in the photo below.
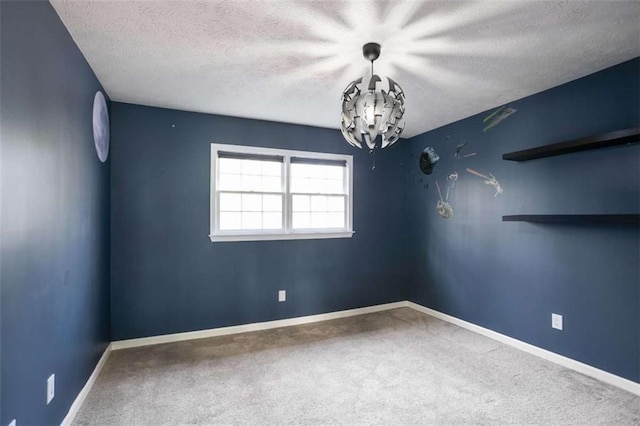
(289, 61)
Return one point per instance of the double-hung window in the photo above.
(274, 194)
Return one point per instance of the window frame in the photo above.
(287, 232)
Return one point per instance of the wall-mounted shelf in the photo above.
(574, 218)
(621, 137)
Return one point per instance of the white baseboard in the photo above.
(77, 403)
(223, 331)
(572, 364)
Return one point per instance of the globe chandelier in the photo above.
(368, 113)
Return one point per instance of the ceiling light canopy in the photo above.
(373, 111)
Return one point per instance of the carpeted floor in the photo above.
(394, 367)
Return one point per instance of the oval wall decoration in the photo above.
(101, 126)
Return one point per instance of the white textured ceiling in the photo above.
(290, 60)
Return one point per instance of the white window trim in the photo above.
(287, 234)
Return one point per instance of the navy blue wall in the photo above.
(54, 269)
(167, 276)
(510, 277)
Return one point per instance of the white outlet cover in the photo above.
(13, 422)
(51, 387)
(556, 321)
(282, 295)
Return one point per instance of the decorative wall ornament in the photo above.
(459, 147)
(489, 180)
(443, 207)
(367, 113)
(101, 126)
(452, 178)
(458, 154)
(497, 116)
(428, 160)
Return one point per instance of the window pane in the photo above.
(318, 203)
(335, 204)
(333, 186)
(322, 180)
(301, 220)
(300, 203)
(271, 220)
(299, 170)
(230, 220)
(272, 203)
(271, 168)
(335, 220)
(335, 172)
(230, 202)
(251, 167)
(251, 220)
(251, 183)
(316, 171)
(229, 182)
(317, 185)
(229, 165)
(247, 175)
(300, 185)
(319, 220)
(251, 202)
(271, 184)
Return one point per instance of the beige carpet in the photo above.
(395, 367)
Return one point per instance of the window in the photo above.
(273, 194)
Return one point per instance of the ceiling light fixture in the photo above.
(365, 115)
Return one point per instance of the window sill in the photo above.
(277, 237)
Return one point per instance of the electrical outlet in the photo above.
(51, 388)
(13, 422)
(282, 295)
(556, 321)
